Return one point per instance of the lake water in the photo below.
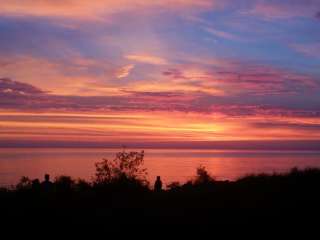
(171, 165)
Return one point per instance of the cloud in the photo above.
(310, 50)
(175, 73)
(282, 9)
(163, 115)
(289, 125)
(244, 78)
(24, 97)
(8, 86)
(140, 56)
(149, 59)
(75, 75)
(223, 34)
(125, 71)
(95, 9)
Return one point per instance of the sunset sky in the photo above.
(161, 71)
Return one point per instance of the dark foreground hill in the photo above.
(290, 198)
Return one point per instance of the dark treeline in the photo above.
(120, 194)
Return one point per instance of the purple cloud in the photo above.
(308, 49)
(281, 125)
(17, 88)
(25, 97)
(246, 78)
(285, 8)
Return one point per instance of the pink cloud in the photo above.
(243, 78)
(96, 9)
(149, 59)
(223, 34)
(125, 71)
(34, 99)
(280, 9)
(311, 50)
(68, 76)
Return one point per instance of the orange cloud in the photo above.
(125, 71)
(93, 9)
(152, 126)
(73, 76)
(147, 59)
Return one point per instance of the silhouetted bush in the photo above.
(203, 177)
(83, 185)
(125, 169)
(24, 184)
(173, 186)
(119, 194)
(64, 183)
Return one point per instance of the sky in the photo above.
(164, 71)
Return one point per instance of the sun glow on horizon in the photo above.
(159, 71)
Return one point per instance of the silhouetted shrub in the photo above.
(126, 167)
(25, 183)
(3, 190)
(173, 186)
(64, 183)
(83, 185)
(203, 177)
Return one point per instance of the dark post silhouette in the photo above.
(158, 185)
(47, 185)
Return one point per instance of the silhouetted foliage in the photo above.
(83, 185)
(173, 185)
(64, 183)
(203, 177)
(121, 197)
(36, 186)
(126, 166)
(25, 183)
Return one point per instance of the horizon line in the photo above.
(213, 145)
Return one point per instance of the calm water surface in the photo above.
(172, 165)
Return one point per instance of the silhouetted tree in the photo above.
(25, 183)
(203, 177)
(126, 165)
